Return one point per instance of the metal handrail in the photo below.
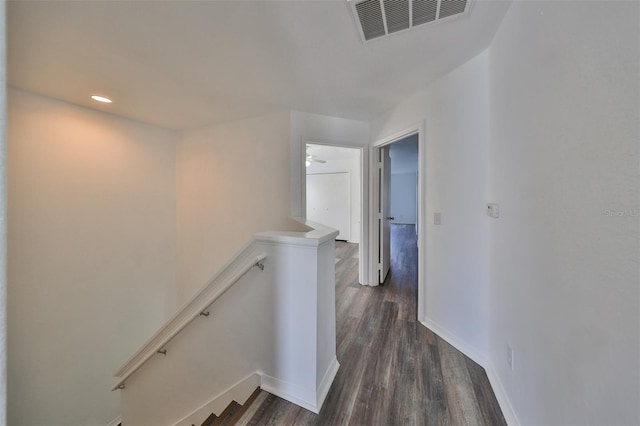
(195, 308)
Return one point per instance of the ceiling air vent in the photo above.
(451, 7)
(371, 20)
(378, 18)
(397, 12)
(424, 11)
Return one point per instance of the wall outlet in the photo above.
(510, 356)
(437, 218)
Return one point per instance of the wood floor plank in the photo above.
(487, 401)
(393, 370)
(342, 397)
(459, 392)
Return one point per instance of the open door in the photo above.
(384, 209)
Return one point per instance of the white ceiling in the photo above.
(181, 64)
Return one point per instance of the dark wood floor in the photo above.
(393, 371)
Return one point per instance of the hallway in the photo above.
(393, 370)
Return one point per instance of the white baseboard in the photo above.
(296, 395)
(288, 391)
(445, 334)
(473, 353)
(327, 380)
(502, 397)
(239, 392)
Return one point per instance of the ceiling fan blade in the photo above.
(313, 159)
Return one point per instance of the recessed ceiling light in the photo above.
(101, 99)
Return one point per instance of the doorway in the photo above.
(397, 198)
(333, 189)
(398, 205)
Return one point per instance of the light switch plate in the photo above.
(437, 218)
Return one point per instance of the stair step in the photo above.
(252, 409)
(234, 411)
(244, 407)
(209, 420)
(225, 417)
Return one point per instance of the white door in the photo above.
(328, 201)
(384, 209)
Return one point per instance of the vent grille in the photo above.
(397, 12)
(371, 20)
(378, 18)
(451, 7)
(424, 11)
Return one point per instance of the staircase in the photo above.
(280, 334)
(236, 414)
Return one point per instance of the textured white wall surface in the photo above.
(91, 259)
(564, 277)
(232, 180)
(456, 176)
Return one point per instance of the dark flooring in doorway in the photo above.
(393, 370)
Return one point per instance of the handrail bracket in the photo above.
(260, 265)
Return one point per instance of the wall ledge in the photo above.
(317, 235)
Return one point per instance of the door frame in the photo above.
(419, 129)
(383, 213)
(363, 247)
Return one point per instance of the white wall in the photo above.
(564, 275)
(454, 109)
(232, 180)
(343, 160)
(91, 254)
